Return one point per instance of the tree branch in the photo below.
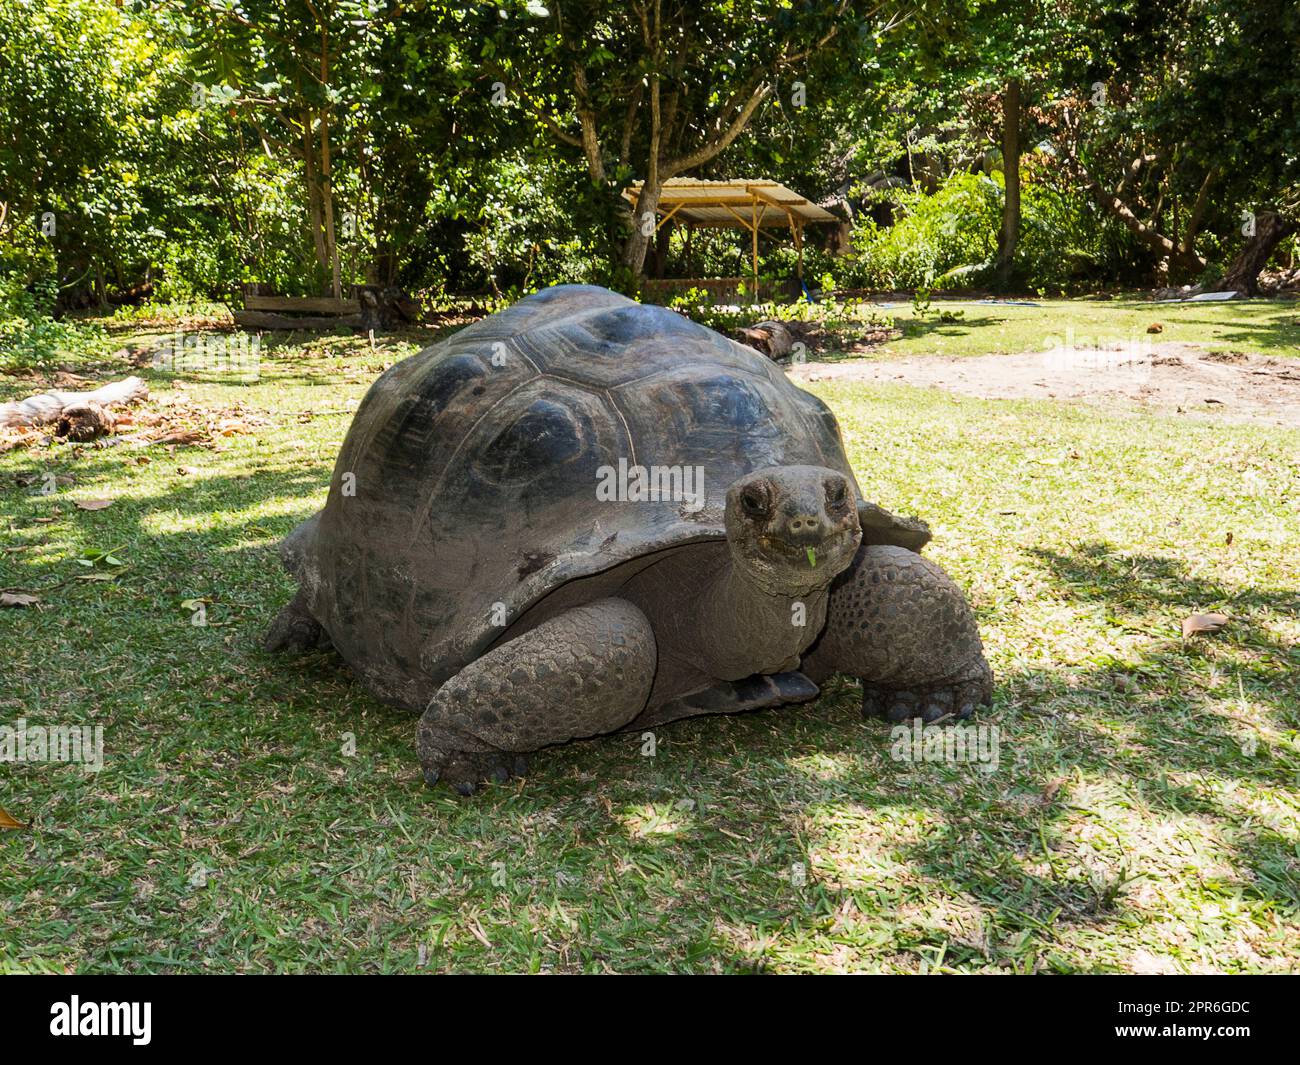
(1198, 210)
(717, 144)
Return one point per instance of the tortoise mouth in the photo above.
(809, 556)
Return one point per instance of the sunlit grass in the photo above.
(1145, 815)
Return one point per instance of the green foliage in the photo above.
(520, 231)
(933, 236)
(30, 338)
(186, 178)
(1065, 242)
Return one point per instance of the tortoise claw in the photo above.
(951, 701)
(466, 770)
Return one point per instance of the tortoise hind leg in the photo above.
(585, 672)
(294, 629)
(899, 623)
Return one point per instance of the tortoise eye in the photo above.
(754, 501)
(837, 493)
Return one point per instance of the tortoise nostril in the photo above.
(805, 527)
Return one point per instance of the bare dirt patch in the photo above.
(1171, 377)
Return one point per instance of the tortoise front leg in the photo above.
(899, 623)
(294, 629)
(585, 672)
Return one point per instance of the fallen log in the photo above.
(80, 415)
(776, 340)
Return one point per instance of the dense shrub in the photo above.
(29, 336)
(932, 236)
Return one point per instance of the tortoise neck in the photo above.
(742, 629)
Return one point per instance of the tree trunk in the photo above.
(1009, 234)
(643, 228)
(1271, 229)
(313, 191)
(327, 194)
(662, 243)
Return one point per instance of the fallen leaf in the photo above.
(1051, 788)
(1155, 327)
(8, 822)
(187, 471)
(18, 599)
(1202, 623)
(179, 436)
(93, 504)
(1227, 540)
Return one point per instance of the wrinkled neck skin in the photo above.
(741, 627)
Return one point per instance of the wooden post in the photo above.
(690, 232)
(753, 221)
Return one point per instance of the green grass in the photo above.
(1126, 829)
(1266, 327)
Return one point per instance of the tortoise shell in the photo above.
(468, 487)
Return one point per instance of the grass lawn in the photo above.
(1144, 814)
(1264, 327)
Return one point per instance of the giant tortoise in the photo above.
(584, 515)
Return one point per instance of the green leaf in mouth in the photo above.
(812, 557)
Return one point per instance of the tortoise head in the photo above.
(792, 529)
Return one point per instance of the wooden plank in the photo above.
(774, 201)
(722, 223)
(302, 304)
(666, 200)
(269, 320)
(663, 217)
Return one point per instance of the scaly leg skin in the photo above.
(898, 623)
(585, 672)
(294, 629)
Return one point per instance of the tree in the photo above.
(1009, 233)
(1190, 123)
(79, 82)
(299, 70)
(660, 88)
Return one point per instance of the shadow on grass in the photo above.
(1148, 726)
(1141, 726)
(935, 323)
(764, 792)
(1280, 336)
